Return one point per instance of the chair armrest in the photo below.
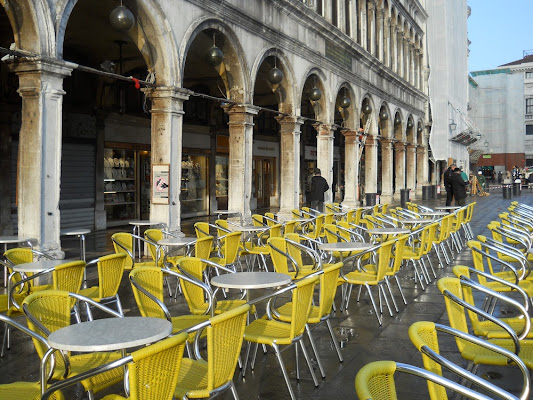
(12, 287)
(495, 258)
(189, 278)
(317, 264)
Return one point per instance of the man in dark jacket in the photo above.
(318, 187)
(448, 184)
(459, 187)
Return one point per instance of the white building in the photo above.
(447, 43)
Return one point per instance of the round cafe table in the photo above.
(137, 223)
(5, 240)
(250, 280)
(345, 247)
(433, 213)
(448, 208)
(38, 266)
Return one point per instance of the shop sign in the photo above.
(196, 140)
(311, 153)
(160, 182)
(487, 155)
(223, 144)
(265, 149)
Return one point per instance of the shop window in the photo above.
(529, 129)
(529, 75)
(529, 106)
(194, 188)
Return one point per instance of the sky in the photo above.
(499, 31)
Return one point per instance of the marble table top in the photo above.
(13, 239)
(110, 334)
(39, 266)
(248, 228)
(144, 222)
(415, 221)
(251, 280)
(176, 241)
(434, 213)
(74, 231)
(388, 231)
(345, 246)
(447, 208)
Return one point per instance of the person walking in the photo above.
(448, 184)
(459, 187)
(318, 187)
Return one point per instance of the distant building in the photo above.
(501, 105)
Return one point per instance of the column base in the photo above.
(386, 198)
(100, 220)
(285, 214)
(396, 195)
(351, 203)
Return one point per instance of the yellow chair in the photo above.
(110, 271)
(195, 293)
(123, 243)
(270, 219)
(205, 378)
(328, 278)
(152, 371)
(147, 287)
(373, 275)
(23, 390)
(451, 289)
(415, 252)
(312, 230)
(275, 333)
(286, 257)
(153, 236)
(486, 328)
(423, 335)
(49, 310)
(260, 250)
(23, 255)
(229, 247)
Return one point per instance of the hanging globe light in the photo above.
(122, 19)
(367, 109)
(419, 130)
(345, 103)
(397, 120)
(214, 56)
(383, 115)
(275, 76)
(315, 94)
(409, 124)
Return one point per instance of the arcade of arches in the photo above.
(236, 108)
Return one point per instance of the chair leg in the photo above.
(5, 344)
(308, 361)
(119, 305)
(334, 339)
(381, 290)
(445, 253)
(234, 391)
(373, 303)
(297, 362)
(313, 346)
(400, 289)
(417, 274)
(283, 370)
(391, 295)
(431, 266)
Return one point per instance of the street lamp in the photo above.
(453, 125)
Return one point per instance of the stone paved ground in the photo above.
(362, 339)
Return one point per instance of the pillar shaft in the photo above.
(411, 168)
(351, 169)
(324, 156)
(422, 168)
(166, 145)
(399, 182)
(371, 29)
(371, 164)
(380, 34)
(289, 164)
(39, 157)
(387, 158)
(240, 158)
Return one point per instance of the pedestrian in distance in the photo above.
(448, 184)
(318, 187)
(459, 187)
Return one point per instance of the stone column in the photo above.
(399, 53)
(380, 34)
(351, 168)
(166, 145)
(6, 225)
(241, 123)
(422, 169)
(399, 182)
(289, 164)
(405, 56)
(387, 42)
(387, 190)
(411, 169)
(39, 158)
(371, 164)
(364, 27)
(324, 156)
(371, 28)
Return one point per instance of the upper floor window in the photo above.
(529, 129)
(529, 75)
(529, 106)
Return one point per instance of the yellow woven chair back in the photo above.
(154, 372)
(203, 246)
(124, 239)
(456, 312)
(302, 295)
(151, 279)
(469, 212)
(279, 260)
(194, 295)
(223, 224)
(328, 288)
(19, 255)
(397, 253)
(201, 229)
(269, 221)
(275, 230)
(110, 271)
(69, 276)
(376, 381)
(328, 218)
(431, 230)
(468, 296)
(296, 213)
(294, 251)
(257, 220)
(224, 342)
(229, 247)
(290, 226)
(52, 309)
(423, 333)
(458, 219)
(154, 235)
(384, 256)
(477, 259)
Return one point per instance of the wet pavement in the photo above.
(362, 339)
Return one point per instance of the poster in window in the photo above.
(160, 182)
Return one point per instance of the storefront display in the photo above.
(194, 189)
(221, 182)
(120, 189)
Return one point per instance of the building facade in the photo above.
(501, 104)
(225, 105)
